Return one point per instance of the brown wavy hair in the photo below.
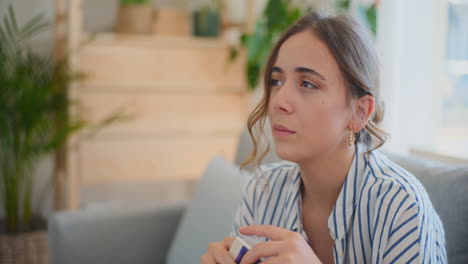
(352, 47)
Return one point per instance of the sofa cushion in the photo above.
(113, 233)
(447, 187)
(209, 216)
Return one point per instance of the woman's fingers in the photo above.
(285, 246)
(222, 256)
(207, 259)
(261, 250)
(278, 260)
(218, 252)
(228, 242)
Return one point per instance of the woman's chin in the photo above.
(284, 154)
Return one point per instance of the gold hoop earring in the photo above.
(351, 137)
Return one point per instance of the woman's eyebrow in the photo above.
(309, 71)
(276, 69)
(301, 70)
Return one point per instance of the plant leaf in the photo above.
(275, 19)
(233, 52)
(13, 18)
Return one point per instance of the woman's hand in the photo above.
(218, 252)
(285, 246)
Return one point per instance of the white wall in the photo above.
(409, 51)
(25, 10)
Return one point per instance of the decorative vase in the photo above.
(135, 19)
(206, 23)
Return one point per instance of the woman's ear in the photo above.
(363, 109)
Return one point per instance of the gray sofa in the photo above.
(178, 233)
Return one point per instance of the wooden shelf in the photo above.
(189, 103)
(125, 62)
(167, 114)
(137, 160)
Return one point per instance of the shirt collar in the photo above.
(339, 219)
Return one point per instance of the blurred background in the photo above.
(156, 88)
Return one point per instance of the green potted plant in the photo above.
(34, 122)
(277, 16)
(206, 18)
(135, 17)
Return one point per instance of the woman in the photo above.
(335, 199)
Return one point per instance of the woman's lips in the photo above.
(282, 131)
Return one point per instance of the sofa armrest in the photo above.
(119, 234)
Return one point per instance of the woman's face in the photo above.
(307, 110)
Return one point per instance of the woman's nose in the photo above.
(282, 99)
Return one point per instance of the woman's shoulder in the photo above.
(391, 179)
(401, 205)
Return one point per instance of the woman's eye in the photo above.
(275, 82)
(309, 85)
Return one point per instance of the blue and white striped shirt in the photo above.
(382, 215)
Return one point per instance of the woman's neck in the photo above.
(324, 176)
